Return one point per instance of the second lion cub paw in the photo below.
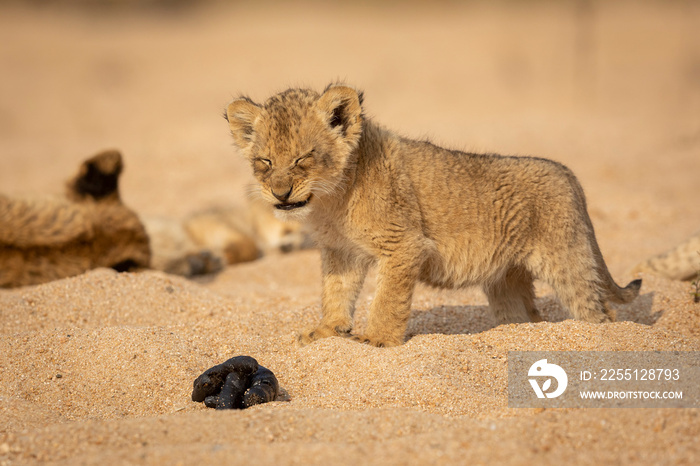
(378, 342)
(321, 332)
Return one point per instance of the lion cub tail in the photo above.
(626, 294)
(615, 293)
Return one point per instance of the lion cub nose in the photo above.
(282, 197)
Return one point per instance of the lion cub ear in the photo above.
(97, 178)
(241, 115)
(342, 108)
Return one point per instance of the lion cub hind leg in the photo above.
(512, 297)
(578, 286)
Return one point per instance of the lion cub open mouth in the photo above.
(292, 206)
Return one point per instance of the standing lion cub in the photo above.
(419, 212)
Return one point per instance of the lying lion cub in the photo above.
(50, 238)
(420, 212)
(208, 240)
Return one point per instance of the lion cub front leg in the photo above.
(391, 307)
(343, 277)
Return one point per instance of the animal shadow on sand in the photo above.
(460, 320)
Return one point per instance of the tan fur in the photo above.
(419, 212)
(174, 252)
(679, 263)
(49, 238)
(273, 234)
(207, 240)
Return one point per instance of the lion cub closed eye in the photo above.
(419, 212)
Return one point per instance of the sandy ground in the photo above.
(99, 368)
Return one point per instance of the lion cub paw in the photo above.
(378, 342)
(321, 332)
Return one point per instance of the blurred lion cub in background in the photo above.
(206, 241)
(44, 239)
(679, 263)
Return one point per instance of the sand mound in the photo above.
(103, 363)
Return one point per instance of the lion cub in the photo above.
(419, 212)
(49, 238)
(208, 240)
(680, 263)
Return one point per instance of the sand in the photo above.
(99, 368)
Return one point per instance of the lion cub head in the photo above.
(299, 144)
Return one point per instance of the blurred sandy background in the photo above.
(609, 88)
